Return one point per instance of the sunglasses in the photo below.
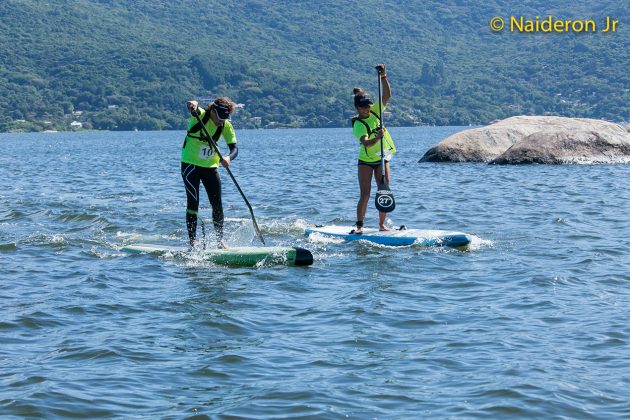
(222, 112)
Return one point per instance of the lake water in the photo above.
(533, 321)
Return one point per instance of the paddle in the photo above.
(384, 200)
(227, 168)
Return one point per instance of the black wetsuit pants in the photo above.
(194, 175)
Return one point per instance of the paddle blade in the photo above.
(384, 199)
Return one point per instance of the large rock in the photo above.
(564, 146)
(554, 140)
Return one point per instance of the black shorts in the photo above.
(370, 164)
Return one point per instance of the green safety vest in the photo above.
(196, 148)
(369, 127)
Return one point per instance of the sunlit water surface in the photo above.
(532, 321)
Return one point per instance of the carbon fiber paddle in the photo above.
(384, 200)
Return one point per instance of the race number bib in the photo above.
(206, 153)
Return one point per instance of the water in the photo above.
(533, 321)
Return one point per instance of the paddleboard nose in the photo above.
(303, 256)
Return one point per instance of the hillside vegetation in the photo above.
(120, 65)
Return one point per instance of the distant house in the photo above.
(75, 125)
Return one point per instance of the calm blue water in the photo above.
(533, 321)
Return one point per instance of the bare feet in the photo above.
(383, 228)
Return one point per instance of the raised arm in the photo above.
(387, 93)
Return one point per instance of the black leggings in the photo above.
(192, 176)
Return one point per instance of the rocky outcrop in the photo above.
(475, 145)
(566, 147)
(536, 139)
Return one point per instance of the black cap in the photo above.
(362, 100)
(223, 112)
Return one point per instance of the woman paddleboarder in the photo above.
(368, 129)
(200, 161)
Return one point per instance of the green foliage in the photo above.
(116, 65)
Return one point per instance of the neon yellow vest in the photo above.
(359, 129)
(199, 152)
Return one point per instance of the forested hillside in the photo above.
(121, 65)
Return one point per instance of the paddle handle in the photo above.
(379, 70)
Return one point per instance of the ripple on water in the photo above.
(530, 321)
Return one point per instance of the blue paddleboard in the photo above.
(404, 237)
